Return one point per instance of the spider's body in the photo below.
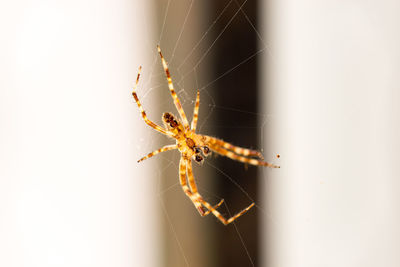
(194, 146)
(188, 143)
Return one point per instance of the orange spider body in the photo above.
(194, 146)
(188, 143)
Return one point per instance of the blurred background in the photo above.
(316, 82)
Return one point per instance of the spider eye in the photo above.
(197, 150)
(198, 158)
(206, 150)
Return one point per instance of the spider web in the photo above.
(191, 38)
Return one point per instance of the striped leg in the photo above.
(144, 116)
(195, 113)
(172, 90)
(230, 154)
(164, 148)
(212, 209)
(185, 187)
(238, 150)
(193, 188)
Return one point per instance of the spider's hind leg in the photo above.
(195, 113)
(164, 148)
(172, 91)
(143, 113)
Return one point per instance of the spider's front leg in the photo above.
(199, 199)
(205, 213)
(236, 149)
(185, 187)
(222, 151)
(193, 187)
(194, 196)
(241, 154)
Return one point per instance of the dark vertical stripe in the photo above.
(237, 91)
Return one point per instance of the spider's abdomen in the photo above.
(170, 120)
(171, 123)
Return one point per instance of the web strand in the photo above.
(241, 238)
(180, 34)
(219, 35)
(203, 36)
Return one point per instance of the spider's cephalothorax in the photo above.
(195, 147)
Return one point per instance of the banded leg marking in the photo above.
(230, 154)
(193, 187)
(212, 209)
(185, 187)
(163, 149)
(238, 150)
(144, 116)
(172, 90)
(195, 113)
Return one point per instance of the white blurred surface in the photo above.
(71, 193)
(335, 119)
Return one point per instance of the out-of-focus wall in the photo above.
(333, 99)
(71, 192)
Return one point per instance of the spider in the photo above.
(193, 146)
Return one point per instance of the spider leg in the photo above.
(144, 116)
(216, 213)
(222, 151)
(164, 148)
(238, 150)
(195, 112)
(172, 90)
(193, 188)
(215, 207)
(185, 187)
